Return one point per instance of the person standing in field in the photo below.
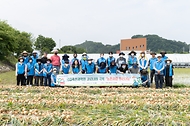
(30, 72)
(83, 62)
(25, 57)
(20, 71)
(164, 57)
(133, 63)
(110, 59)
(143, 62)
(121, 59)
(159, 66)
(34, 57)
(55, 59)
(90, 67)
(44, 58)
(39, 73)
(48, 68)
(152, 60)
(169, 73)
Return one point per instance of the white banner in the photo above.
(99, 80)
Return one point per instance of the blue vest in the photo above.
(164, 58)
(151, 63)
(90, 68)
(83, 63)
(65, 70)
(26, 59)
(20, 68)
(170, 71)
(30, 67)
(141, 64)
(102, 70)
(34, 60)
(48, 68)
(74, 60)
(159, 66)
(109, 60)
(131, 61)
(102, 59)
(75, 70)
(39, 68)
(53, 79)
(113, 69)
(144, 78)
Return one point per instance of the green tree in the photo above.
(8, 42)
(44, 44)
(24, 41)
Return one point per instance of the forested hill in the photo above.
(157, 43)
(154, 43)
(98, 47)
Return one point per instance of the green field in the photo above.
(44, 106)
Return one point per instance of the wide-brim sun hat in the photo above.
(132, 52)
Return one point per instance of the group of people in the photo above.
(44, 70)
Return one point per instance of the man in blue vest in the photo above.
(25, 57)
(132, 59)
(168, 73)
(90, 67)
(34, 57)
(83, 62)
(152, 60)
(110, 59)
(101, 59)
(164, 57)
(159, 66)
(39, 73)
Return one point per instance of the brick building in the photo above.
(137, 44)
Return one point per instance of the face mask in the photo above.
(110, 55)
(84, 58)
(48, 62)
(102, 56)
(30, 61)
(168, 62)
(89, 62)
(142, 54)
(21, 60)
(123, 66)
(75, 56)
(55, 53)
(66, 65)
(54, 71)
(132, 54)
(121, 55)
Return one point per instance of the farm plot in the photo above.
(93, 106)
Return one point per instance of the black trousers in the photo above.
(47, 80)
(168, 81)
(20, 79)
(152, 74)
(39, 80)
(159, 81)
(30, 80)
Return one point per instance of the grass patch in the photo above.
(8, 78)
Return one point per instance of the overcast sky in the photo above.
(108, 21)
